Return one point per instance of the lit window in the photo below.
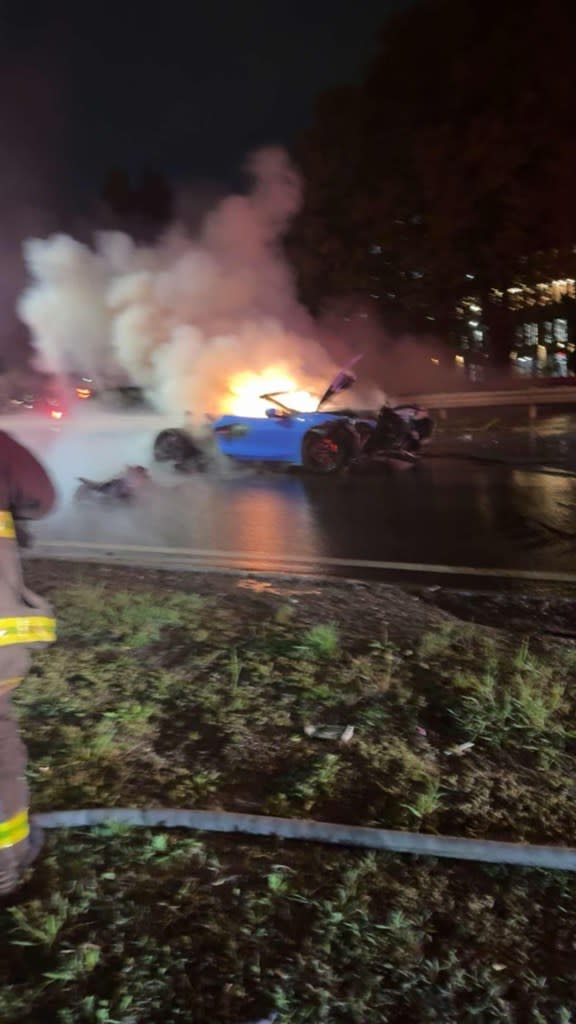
(548, 332)
(561, 330)
(532, 334)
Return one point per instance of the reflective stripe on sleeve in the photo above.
(6, 525)
(9, 684)
(27, 629)
(14, 830)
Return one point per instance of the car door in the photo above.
(276, 437)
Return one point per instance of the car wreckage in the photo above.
(323, 441)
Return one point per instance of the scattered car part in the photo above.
(124, 488)
(344, 733)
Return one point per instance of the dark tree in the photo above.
(449, 171)
(154, 197)
(117, 193)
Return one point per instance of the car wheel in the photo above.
(173, 446)
(192, 463)
(324, 453)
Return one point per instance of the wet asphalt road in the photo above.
(454, 509)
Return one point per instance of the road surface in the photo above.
(453, 510)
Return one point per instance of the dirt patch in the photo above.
(361, 609)
(528, 614)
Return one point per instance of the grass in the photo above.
(505, 696)
(174, 699)
(144, 926)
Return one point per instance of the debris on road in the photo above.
(344, 733)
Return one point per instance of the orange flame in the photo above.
(245, 389)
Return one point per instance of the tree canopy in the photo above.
(449, 170)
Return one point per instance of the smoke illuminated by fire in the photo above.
(203, 325)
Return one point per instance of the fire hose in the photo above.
(556, 858)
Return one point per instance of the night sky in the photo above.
(187, 89)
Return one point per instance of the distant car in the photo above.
(323, 441)
(42, 405)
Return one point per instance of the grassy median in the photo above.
(223, 698)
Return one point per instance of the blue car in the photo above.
(323, 441)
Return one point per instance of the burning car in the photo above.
(321, 441)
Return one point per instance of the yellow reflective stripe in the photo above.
(14, 830)
(9, 684)
(6, 525)
(27, 629)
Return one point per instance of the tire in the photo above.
(173, 446)
(325, 453)
(191, 464)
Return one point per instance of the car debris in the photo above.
(344, 733)
(460, 750)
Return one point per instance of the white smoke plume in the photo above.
(189, 320)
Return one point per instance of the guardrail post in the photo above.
(443, 414)
(532, 411)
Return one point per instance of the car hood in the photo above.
(343, 380)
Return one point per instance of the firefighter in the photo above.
(26, 622)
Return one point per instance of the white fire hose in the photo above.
(555, 858)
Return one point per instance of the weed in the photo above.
(519, 695)
(321, 641)
(235, 668)
(94, 613)
(39, 927)
(427, 801)
(440, 642)
(306, 786)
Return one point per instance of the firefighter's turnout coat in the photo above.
(26, 621)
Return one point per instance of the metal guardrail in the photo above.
(532, 397)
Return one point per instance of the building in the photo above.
(543, 322)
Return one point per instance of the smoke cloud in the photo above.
(184, 318)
